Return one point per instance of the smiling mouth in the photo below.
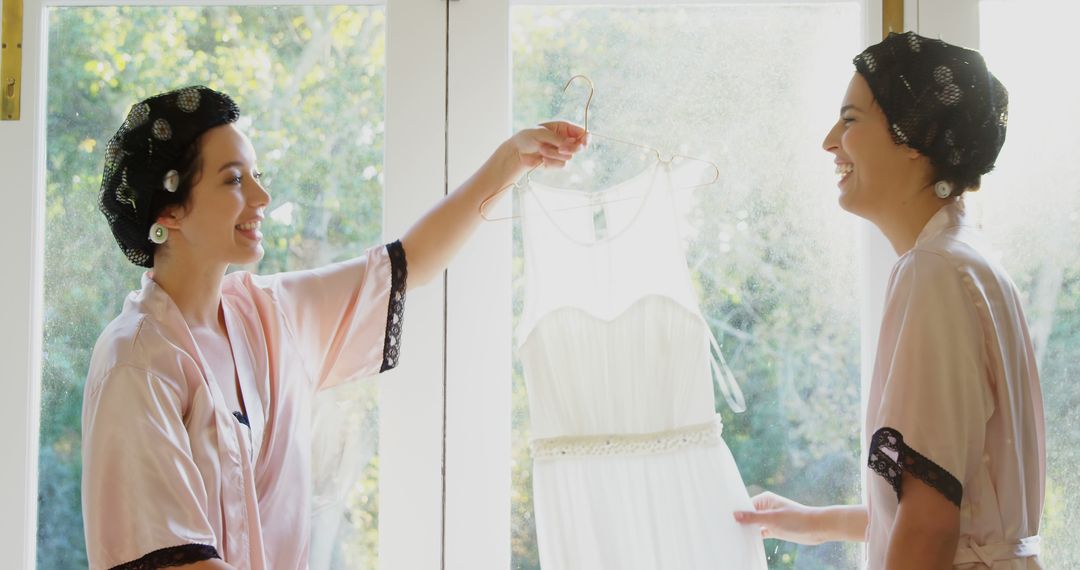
(843, 170)
(249, 226)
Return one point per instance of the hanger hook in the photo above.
(588, 101)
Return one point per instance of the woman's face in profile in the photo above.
(220, 222)
(868, 162)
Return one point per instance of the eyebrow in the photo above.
(846, 108)
(235, 163)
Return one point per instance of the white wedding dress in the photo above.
(630, 471)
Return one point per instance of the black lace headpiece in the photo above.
(940, 100)
(142, 159)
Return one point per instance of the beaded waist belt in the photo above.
(699, 435)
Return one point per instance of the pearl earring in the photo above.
(943, 189)
(159, 233)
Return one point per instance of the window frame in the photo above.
(478, 364)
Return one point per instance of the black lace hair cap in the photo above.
(143, 155)
(941, 100)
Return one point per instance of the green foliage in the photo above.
(309, 81)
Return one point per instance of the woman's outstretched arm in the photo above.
(785, 519)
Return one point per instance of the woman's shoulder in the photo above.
(135, 344)
(971, 256)
(119, 341)
(933, 277)
(923, 267)
(960, 253)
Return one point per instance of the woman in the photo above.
(954, 419)
(196, 427)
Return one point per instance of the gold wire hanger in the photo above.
(656, 153)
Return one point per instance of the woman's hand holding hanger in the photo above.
(433, 240)
(549, 145)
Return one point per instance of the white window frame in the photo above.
(955, 21)
(410, 397)
(478, 299)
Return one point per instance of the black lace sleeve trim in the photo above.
(172, 556)
(910, 461)
(399, 272)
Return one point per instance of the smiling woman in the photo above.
(197, 413)
(954, 414)
(872, 166)
(866, 156)
(108, 58)
(230, 192)
(209, 379)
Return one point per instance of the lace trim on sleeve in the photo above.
(910, 461)
(399, 272)
(172, 556)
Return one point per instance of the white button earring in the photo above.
(943, 189)
(159, 233)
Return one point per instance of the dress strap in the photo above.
(723, 377)
(988, 554)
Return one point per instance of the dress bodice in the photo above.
(611, 339)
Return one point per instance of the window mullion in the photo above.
(411, 397)
(478, 300)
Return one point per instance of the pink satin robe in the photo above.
(955, 399)
(169, 473)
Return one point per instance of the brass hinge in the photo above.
(11, 38)
(892, 17)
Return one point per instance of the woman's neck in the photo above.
(903, 222)
(194, 287)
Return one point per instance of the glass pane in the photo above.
(754, 88)
(309, 81)
(1030, 208)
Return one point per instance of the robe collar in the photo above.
(951, 215)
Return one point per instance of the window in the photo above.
(754, 88)
(777, 265)
(1030, 207)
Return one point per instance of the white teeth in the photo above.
(844, 169)
(249, 226)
